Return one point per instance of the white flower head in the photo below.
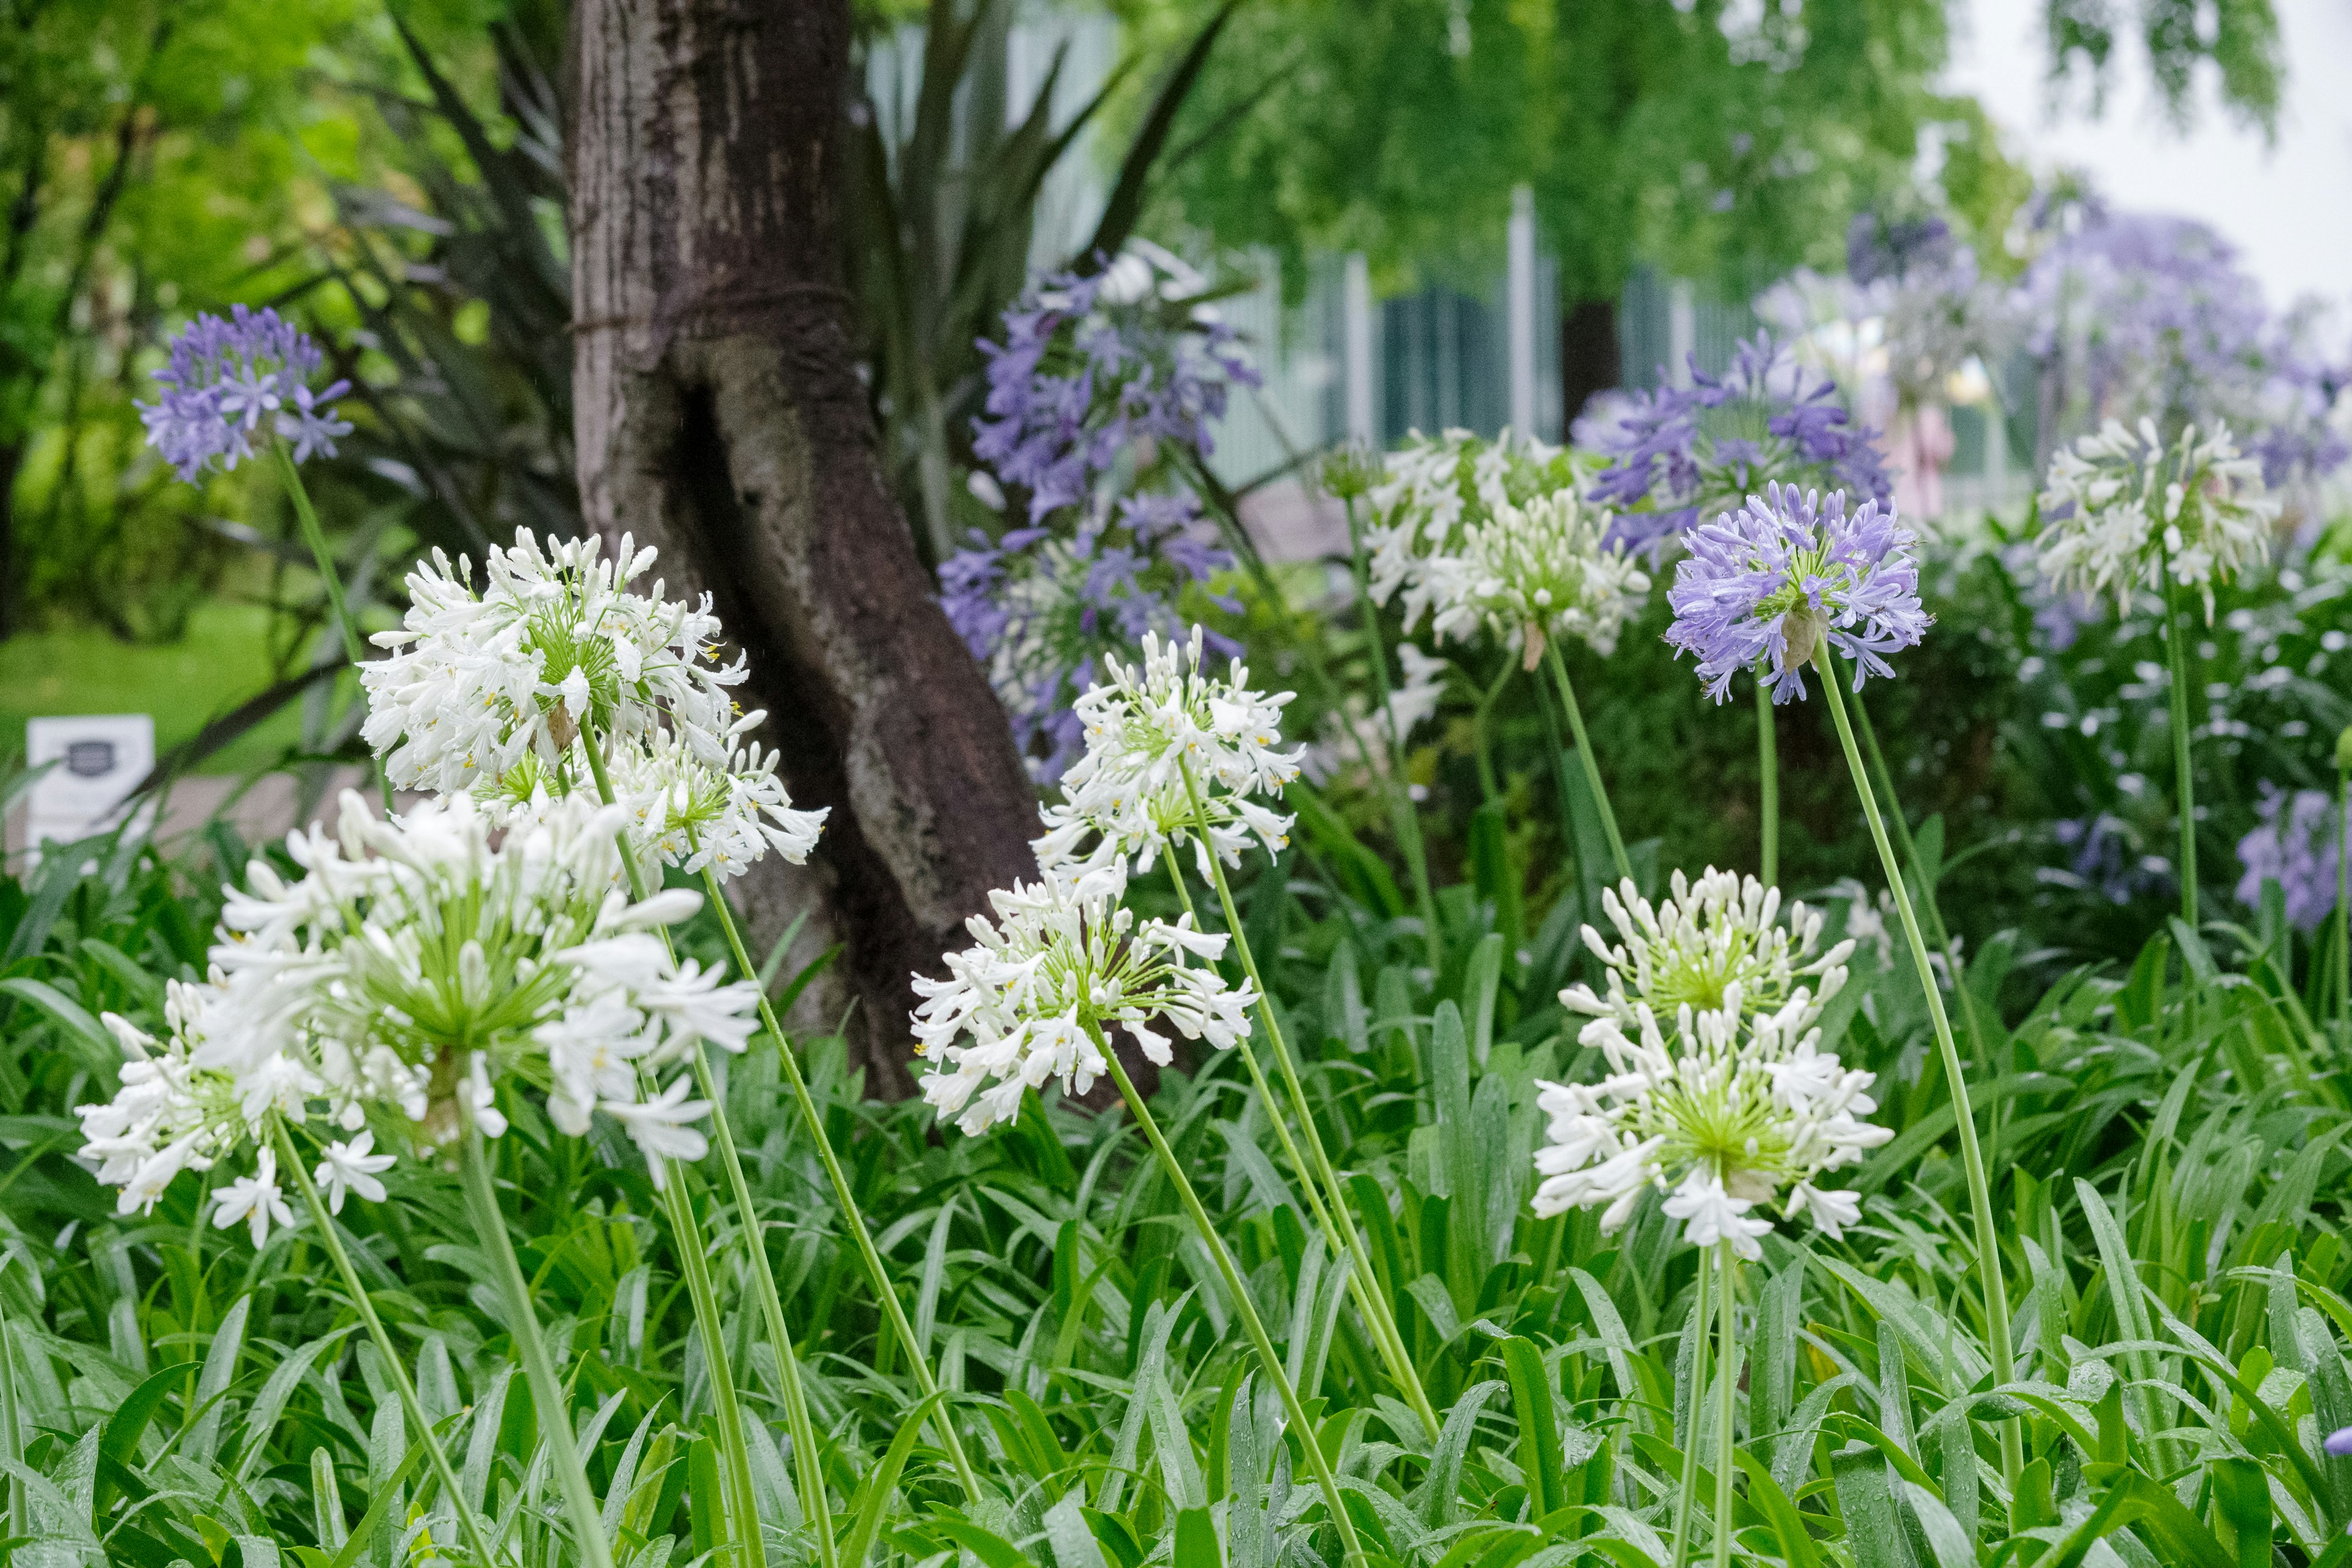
(349, 1168)
(1062, 963)
(1536, 572)
(2122, 507)
(181, 1106)
(1146, 727)
(454, 959)
(254, 1199)
(1717, 947)
(556, 642)
(1433, 488)
(1730, 1104)
(686, 812)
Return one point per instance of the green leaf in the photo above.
(1196, 1542)
(879, 1484)
(1539, 1455)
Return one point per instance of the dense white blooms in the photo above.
(1145, 726)
(498, 693)
(413, 965)
(1431, 488)
(690, 815)
(555, 642)
(1535, 572)
(1716, 946)
(1060, 961)
(1730, 1103)
(2123, 508)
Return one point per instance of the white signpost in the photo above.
(100, 760)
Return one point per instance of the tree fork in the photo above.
(720, 415)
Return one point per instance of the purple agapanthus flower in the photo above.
(1101, 377)
(1764, 587)
(236, 380)
(2295, 848)
(1682, 453)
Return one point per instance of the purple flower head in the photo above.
(1767, 585)
(2295, 848)
(1683, 452)
(1096, 364)
(1041, 607)
(2107, 857)
(1879, 247)
(230, 381)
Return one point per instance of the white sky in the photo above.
(2287, 208)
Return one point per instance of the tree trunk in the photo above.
(720, 416)
(1589, 358)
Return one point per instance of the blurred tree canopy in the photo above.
(1719, 140)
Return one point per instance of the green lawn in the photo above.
(222, 661)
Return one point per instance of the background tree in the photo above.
(1721, 141)
(720, 414)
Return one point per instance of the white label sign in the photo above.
(100, 759)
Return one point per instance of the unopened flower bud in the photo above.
(2344, 749)
(1802, 630)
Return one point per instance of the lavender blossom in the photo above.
(1101, 378)
(233, 381)
(1041, 612)
(2107, 857)
(1682, 452)
(2295, 848)
(1766, 584)
(2137, 316)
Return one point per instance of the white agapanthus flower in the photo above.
(1125, 799)
(413, 966)
(180, 1106)
(1060, 961)
(1732, 1105)
(2123, 508)
(687, 813)
(556, 641)
(1536, 572)
(1716, 946)
(1431, 488)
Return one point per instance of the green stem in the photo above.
(1239, 1291)
(2184, 770)
(1363, 1283)
(354, 647)
(805, 1458)
(1490, 788)
(395, 1368)
(1964, 1119)
(1401, 1363)
(12, 1434)
(1408, 821)
(1980, 1039)
(693, 1263)
(851, 1213)
(1768, 775)
(547, 1393)
(1687, 1492)
(1726, 1376)
(1584, 755)
(2343, 886)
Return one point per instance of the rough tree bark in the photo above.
(720, 416)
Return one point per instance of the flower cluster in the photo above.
(1432, 490)
(2123, 508)
(1764, 588)
(1148, 727)
(498, 691)
(415, 965)
(1681, 453)
(1732, 1102)
(1061, 962)
(1042, 609)
(2139, 316)
(1102, 380)
(2295, 846)
(1536, 572)
(233, 382)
